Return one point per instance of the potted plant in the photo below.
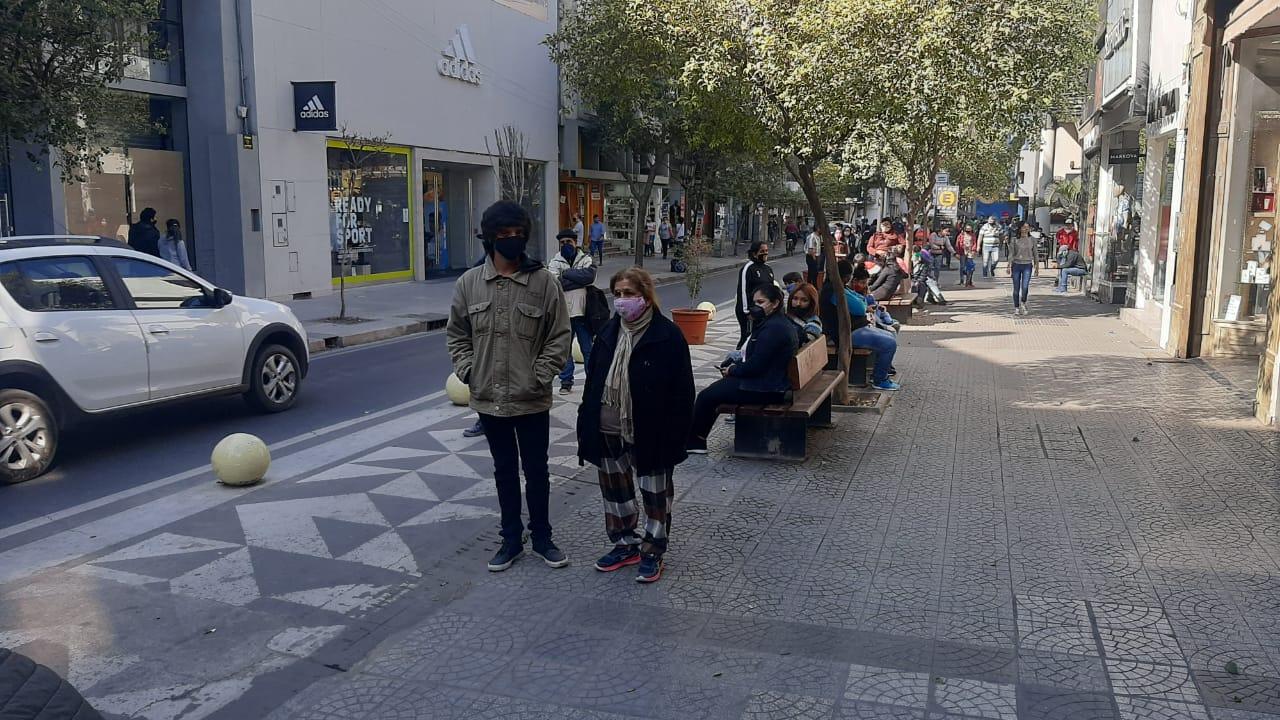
(693, 321)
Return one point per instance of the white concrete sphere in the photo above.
(459, 393)
(240, 459)
(709, 307)
(577, 351)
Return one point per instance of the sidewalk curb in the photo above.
(317, 344)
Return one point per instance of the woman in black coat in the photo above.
(760, 377)
(633, 421)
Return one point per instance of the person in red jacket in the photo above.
(882, 241)
(1068, 238)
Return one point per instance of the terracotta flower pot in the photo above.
(692, 324)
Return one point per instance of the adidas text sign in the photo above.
(314, 109)
(459, 59)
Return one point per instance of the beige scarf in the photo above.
(617, 384)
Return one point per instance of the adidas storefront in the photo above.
(381, 171)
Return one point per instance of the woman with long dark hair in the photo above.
(759, 376)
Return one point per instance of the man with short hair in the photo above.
(990, 237)
(597, 238)
(1071, 265)
(813, 256)
(508, 336)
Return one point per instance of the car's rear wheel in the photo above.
(28, 436)
(274, 379)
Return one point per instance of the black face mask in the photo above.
(512, 247)
(757, 313)
(762, 258)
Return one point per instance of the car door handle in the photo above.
(45, 337)
(157, 330)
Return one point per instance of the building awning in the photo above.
(1249, 15)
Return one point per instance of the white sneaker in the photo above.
(1019, 311)
(1026, 307)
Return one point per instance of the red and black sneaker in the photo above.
(618, 558)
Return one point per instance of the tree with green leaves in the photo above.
(970, 82)
(60, 59)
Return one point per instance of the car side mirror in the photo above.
(221, 298)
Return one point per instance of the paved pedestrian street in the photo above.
(1051, 520)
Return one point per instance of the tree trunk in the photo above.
(642, 203)
(803, 173)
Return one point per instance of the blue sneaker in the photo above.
(550, 554)
(474, 431)
(618, 558)
(506, 555)
(887, 385)
(650, 569)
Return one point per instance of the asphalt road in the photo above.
(125, 452)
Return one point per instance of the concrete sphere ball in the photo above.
(709, 307)
(459, 393)
(240, 459)
(577, 351)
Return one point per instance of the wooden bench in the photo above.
(859, 365)
(779, 431)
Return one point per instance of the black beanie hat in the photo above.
(504, 214)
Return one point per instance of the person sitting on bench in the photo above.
(883, 318)
(888, 281)
(1071, 265)
(760, 377)
(802, 308)
(790, 280)
(864, 334)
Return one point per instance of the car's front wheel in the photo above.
(28, 436)
(274, 379)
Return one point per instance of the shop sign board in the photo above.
(460, 59)
(314, 106)
(1123, 156)
(947, 199)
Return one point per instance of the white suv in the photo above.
(89, 326)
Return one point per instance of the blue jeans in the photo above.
(990, 258)
(1021, 282)
(938, 263)
(881, 342)
(1064, 273)
(580, 330)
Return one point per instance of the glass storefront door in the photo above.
(370, 213)
(449, 228)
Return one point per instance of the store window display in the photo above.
(370, 213)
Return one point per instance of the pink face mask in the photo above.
(630, 308)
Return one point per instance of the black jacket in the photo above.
(751, 276)
(34, 692)
(768, 353)
(661, 395)
(1073, 259)
(145, 237)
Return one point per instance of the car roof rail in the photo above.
(25, 241)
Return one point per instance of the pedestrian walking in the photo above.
(989, 237)
(967, 249)
(508, 336)
(144, 236)
(597, 238)
(758, 375)
(1022, 258)
(1072, 264)
(755, 273)
(578, 229)
(940, 249)
(575, 272)
(172, 247)
(634, 420)
(793, 235)
(664, 236)
(813, 256)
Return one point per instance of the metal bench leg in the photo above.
(821, 418)
(770, 437)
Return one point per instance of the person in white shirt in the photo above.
(813, 256)
(575, 271)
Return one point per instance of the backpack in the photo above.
(597, 309)
(678, 266)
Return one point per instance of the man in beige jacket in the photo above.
(508, 336)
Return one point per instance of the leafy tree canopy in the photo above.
(60, 58)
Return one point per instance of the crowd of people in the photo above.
(512, 323)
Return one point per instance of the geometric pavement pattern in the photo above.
(1047, 522)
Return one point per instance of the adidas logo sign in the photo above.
(459, 59)
(314, 109)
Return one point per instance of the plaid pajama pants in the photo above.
(619, 491)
